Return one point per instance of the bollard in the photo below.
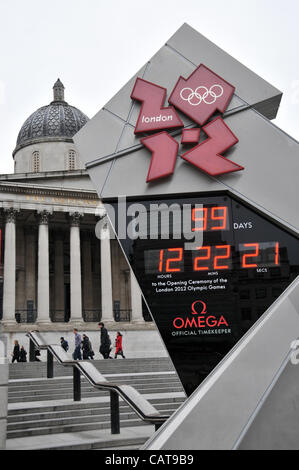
(76, 384)
(50, 365)
(114, 412)
(31, 351)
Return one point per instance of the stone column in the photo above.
(87, 277)
(9, 284)
(43, 286)
(75, 256)
(136, 300)
(30, 266)
(106, 276)
(20, 262)
(59, 276)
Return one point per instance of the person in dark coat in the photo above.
(23, 355)
(105, 346)
(87, 348)
(64, 344)
(16, 352)
(119, 346)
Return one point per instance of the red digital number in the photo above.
(204, 219)
(277, 254)
(222, 217)
(200, 215)
(201, 258)
(225, 256)
(161, 261)
(212, 260)
(168, 269)
(250, 255)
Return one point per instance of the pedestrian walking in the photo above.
(87, 348)
(105, 346)
(64, 344)
(16, 352)
(77, 351)
(119, 346)
(23, 355)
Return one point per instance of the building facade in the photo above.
(56, 274)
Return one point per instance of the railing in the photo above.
(92, 315)
(62, 316)
(142, 407)
(26, 316)
(59, 316)
(122, 315)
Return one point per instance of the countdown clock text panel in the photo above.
(204, 299)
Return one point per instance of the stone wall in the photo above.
(53, 157)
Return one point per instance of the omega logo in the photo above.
(201, 321)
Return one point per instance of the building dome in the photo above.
(57, 122)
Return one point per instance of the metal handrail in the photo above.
(142, 407)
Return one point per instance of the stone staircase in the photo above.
(42, 414)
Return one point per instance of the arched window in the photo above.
(72, 160)
(35, 162)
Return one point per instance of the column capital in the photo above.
(105, 230)
(10, 214)
(43, 217)
(75, 218)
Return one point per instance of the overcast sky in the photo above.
(95, 46)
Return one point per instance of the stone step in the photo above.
(42, 414)
(131, 436)
(98, 411)
(39, 369)
(96, 417)
(85, 385)
(66, 381)
(60, 394)
(124, 445)
(38, 431)
(74, 406)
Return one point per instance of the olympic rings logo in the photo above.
(202, 94)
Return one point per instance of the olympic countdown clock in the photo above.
(192, 128)
(204, 299)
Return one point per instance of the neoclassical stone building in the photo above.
(55, 272)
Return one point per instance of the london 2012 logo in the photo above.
(199, 97)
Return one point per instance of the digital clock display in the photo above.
(211, 258)
(203, 298)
